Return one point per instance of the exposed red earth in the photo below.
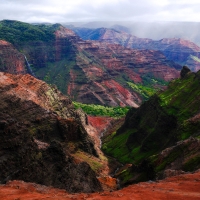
(100, 122)
(180, 187)
(100, 66)
(11, 60)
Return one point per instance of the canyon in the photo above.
(41, 129)
(88, 71)
(50, 149)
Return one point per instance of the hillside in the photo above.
(181, 51)
(88, 71)
(41, 135)
(162, 134)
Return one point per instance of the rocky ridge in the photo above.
(40, 129)
(181, 51)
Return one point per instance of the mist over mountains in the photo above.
(152, 30)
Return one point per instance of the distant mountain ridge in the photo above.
(181, 51)
(153, 30)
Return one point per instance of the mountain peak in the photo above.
(63, 32)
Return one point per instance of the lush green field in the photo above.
(98, 110)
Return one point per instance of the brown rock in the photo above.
(11, 60)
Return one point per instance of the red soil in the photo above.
(121, 93)
(181, 187)
(100, 123)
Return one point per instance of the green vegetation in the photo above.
(98, 110)
(169, 159)
(145, 91)
(18, 32)
(166, 118)
(181, 97)
(37, 42)
(116, 146)
(149, 80)
(94, 163)
(56, 73)
(149, 86)
(195, 58)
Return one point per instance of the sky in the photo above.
(60, 11)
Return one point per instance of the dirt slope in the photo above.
(177, 188)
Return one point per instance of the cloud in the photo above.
(100, 10)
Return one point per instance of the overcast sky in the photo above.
(100, 10)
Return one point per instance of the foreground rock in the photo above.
(179, 187)
(39, 131)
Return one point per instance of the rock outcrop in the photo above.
(184, 71)
(38, 125)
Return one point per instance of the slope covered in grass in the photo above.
(167, 119)
(99, 110)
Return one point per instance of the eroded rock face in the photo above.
(37, 123)
(11, 60)
(104, 70)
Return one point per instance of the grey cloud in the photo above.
(87, 10)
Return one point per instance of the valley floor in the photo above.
(180, 187)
